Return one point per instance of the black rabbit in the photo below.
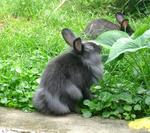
(98, 26)
(67, 79)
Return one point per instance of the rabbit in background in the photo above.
(68, 78)
(98, 26)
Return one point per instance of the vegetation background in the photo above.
(30, 36)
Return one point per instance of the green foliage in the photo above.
(30, 36)
(111, 102)
(94, 6)
(27, 8)
(126, 44)
(25, 49)
(138, 7)
(122, 43)
(134, 7)
(108, 38)
(123, 95)
(19, 79)
(28, 41)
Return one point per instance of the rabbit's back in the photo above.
(64, 68)
(98, 26)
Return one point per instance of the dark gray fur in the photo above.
(98, 26)
(68, 78)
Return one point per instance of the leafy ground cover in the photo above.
(30, 36)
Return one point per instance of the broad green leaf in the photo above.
(108, 38)
(124, 45)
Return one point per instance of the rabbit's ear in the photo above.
(77, 45)
(119, 17)
(68, 36)
(125, 23)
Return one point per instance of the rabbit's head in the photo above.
(124, 23)
(88, 51)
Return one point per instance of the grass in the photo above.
(28, 41)
(30, 36)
